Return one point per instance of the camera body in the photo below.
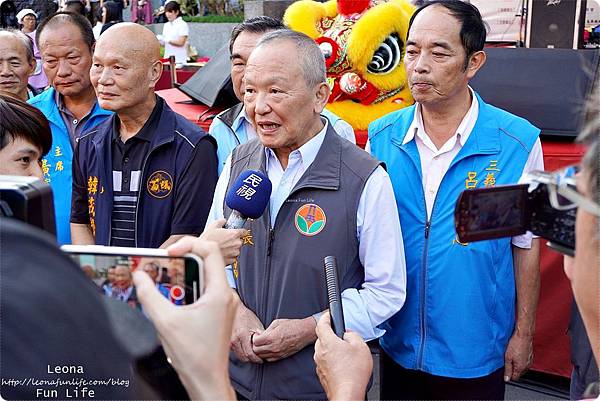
(509, 210)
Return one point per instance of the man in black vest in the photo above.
(329, 198)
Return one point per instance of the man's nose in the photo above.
(64, 68)
(36, 171)
(261, 104)
(421, 64)
(5, 69)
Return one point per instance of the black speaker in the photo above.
(555, 24)
(548, 87)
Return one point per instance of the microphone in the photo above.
(334, 296)
(247, 198)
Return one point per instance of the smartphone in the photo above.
(488, 213)
(179, 279)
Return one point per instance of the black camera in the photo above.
(27, 199)
(505, 211)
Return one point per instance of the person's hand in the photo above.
(245, 326)
(568, 266)
(518, 356)
(344, 366)
(284, 337)
(195, 337)
(230, 240)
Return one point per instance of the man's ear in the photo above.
(155, 72)
(32, 66)
(322, 96)
(476, 61)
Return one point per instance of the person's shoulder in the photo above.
(383, 123)
(185, 130)
(103, 128)
(43, 99)
(512, 127)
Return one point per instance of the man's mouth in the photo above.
(268, 126)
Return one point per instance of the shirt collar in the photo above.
(147, 131)
(61, 104)
(462, 132)
(239, 120)
(307, 152)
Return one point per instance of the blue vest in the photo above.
(57, 163)
(460, 306)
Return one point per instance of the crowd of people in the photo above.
(454, 320)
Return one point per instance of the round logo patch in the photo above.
(160, 184)
(310, 219)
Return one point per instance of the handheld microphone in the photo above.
(334, 296)
(247, 198)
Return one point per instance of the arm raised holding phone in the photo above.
(196, 337)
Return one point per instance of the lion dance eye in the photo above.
(326, 49)
(387, 56)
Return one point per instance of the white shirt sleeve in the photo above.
(381, 251)
(216, 210)
(183, 29)
(345, 130)
(535, 161)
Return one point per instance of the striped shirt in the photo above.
(127, 164)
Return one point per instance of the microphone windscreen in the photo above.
(249, 194)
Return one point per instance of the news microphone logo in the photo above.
(247, 197)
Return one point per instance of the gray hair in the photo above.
(311, 60)
(26, 40)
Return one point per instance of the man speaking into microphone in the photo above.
(328, 198)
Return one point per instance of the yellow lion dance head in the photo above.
(363, 45)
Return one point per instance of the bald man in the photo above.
(146, 176)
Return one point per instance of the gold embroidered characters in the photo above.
(160, 184)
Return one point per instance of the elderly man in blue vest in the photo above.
(66, 43)
(456, 336)
(346, 200)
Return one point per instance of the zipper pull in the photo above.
(427, 226)
(271, 237)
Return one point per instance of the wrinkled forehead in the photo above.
(11, 46)
(278, 58)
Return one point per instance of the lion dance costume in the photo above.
(363, 45)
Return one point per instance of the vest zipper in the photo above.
(422, 316)
(423, 297)
(271, 236)
(140, 192)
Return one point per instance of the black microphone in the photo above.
(247, 198)
(334, 296)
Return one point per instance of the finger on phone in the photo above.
(154, 303)
(181, 247)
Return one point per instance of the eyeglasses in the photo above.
(562, 189)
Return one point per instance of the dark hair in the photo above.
(60, 18)
(172, 6)
(472, 30)
(113, 11)
(20, 120)
(260, 24)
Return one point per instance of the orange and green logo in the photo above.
(310, 219)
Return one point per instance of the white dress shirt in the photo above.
(381, 249)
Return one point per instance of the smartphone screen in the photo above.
(176, 278)
(491, 213)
